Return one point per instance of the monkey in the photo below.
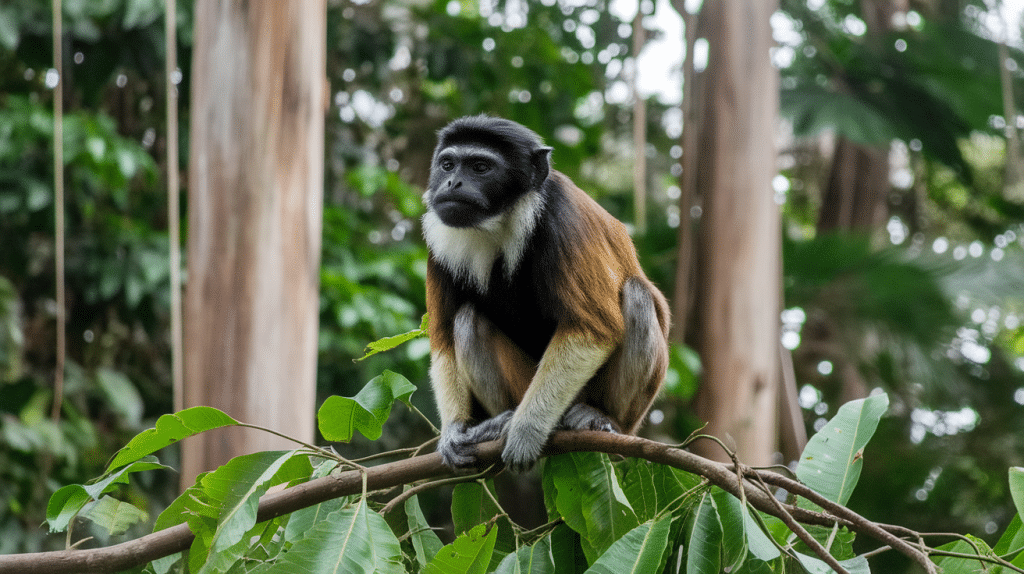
(540, 317)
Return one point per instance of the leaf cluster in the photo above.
(673, 512)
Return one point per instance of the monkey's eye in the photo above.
(481, 167)
(447, 165)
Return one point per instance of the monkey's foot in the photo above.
(523, 445)
(585, 417)
(458, 441)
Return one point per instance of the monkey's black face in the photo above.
(469, 183)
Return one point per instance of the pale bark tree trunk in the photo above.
(255, 202)
(740, 252)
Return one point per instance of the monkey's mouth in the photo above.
(458, 212)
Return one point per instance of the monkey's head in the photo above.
(481, 166)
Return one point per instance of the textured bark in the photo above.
(740, 252)
(255, 203)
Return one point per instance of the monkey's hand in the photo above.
(458, 441)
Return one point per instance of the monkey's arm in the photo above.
(457, 444)
(453, 404)
(571, 359)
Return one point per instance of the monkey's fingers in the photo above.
(585, 417)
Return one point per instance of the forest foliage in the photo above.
(927, 307)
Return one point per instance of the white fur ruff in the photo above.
(469, 253)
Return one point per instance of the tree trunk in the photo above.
(740, 235)
(255, 203)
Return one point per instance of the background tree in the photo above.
(255, 198)
(740, 253)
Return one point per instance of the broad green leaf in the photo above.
(471, 505)
(424, 540)
(588, 496)
(470, 553)
(704, 550)
(759, 544)
(638, 484)
(193, 507)
(1017, 488)
(339, 417)
(234, 490)
(832, 460)
(638, 552)
(1012, 539)
(951, 565)
(114, 515)
(69, 500)
(734, 528)
(170, 429)
(388, 343)
(533, 559)
(165, 564)
(567, 551)
(814, 565)
(304, 519)
(348, 541)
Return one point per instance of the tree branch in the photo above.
(178, 538)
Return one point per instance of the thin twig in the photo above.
(858, 522)
(407, 494)
(805, 536)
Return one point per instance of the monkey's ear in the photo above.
(541, 160)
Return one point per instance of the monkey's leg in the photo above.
(496, 369)
(492, 370)
(570, 360)
(634, 377)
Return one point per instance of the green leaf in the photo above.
(814, 565)
(567, 551)
(704, 551)
(734, 528)
(339, 417)
(1017, 488)
(639, 551)
(170, 429)
(424, 540)
(533, 559)
(348, 541)
(1012, 540)
(470, 553)
(472, 505)
(588, 496)
(114, 515)
(235, 490)
(121, 394)
(638, 484)
(953, 565)
(66, 503)
(832, 460)
(388, 343)
(305, 519)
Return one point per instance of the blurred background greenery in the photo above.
(926, 302)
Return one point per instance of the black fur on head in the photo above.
(526, 151)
